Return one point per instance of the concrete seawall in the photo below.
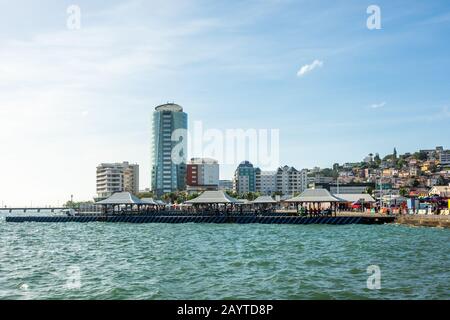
(424, 221)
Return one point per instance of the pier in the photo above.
(216, 219)
(51, 209)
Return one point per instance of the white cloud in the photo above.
(378, 105)
(309, 67)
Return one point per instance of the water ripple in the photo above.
(195, 261)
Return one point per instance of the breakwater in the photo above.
(217, 219)
(424, 221)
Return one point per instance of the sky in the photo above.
(336, 90)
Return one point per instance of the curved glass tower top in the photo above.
(169, 107)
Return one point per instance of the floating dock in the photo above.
(218, 219)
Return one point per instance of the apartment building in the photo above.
(117, 177)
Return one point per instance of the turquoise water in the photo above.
(203, 261)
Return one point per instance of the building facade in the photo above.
(226, 185)
(169, 148)
(444, 158)
(291, 180)
(117, 177)
(350, 188)
(266, 182)
(244, 178)
(286, 180)
(202, 174)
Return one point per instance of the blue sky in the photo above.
(70, 99)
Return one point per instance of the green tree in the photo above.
(232, 194)
(181, 197)
(336, 167)
(364, 165)
(403, 192)
(170, 197)
(422, 156)
(74, 204)
(327, 172)
(250, 196)
(192, 196)
(441, 181)
(433, 168)
(142, 195)
(277, 193)
(400, 163)
(377, 159)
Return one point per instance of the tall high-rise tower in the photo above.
(169, 149)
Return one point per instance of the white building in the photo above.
(368, 159)
(437, 153)
(241, 185)
(291, 180)
(266, 182)
(444, 157)
(117, 177)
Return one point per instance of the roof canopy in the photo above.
(264, 199)
(210, 197)
(149, 201)
(367, 198)
(242, 201)
(315, 195)
(122, 198)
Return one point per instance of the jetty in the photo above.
(36, 209)
(216, 207)
(178, 218)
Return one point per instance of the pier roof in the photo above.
(315, 195)
(149, 201)
(122, 198)
(264, 199)
(211, 197)
(242, 201)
